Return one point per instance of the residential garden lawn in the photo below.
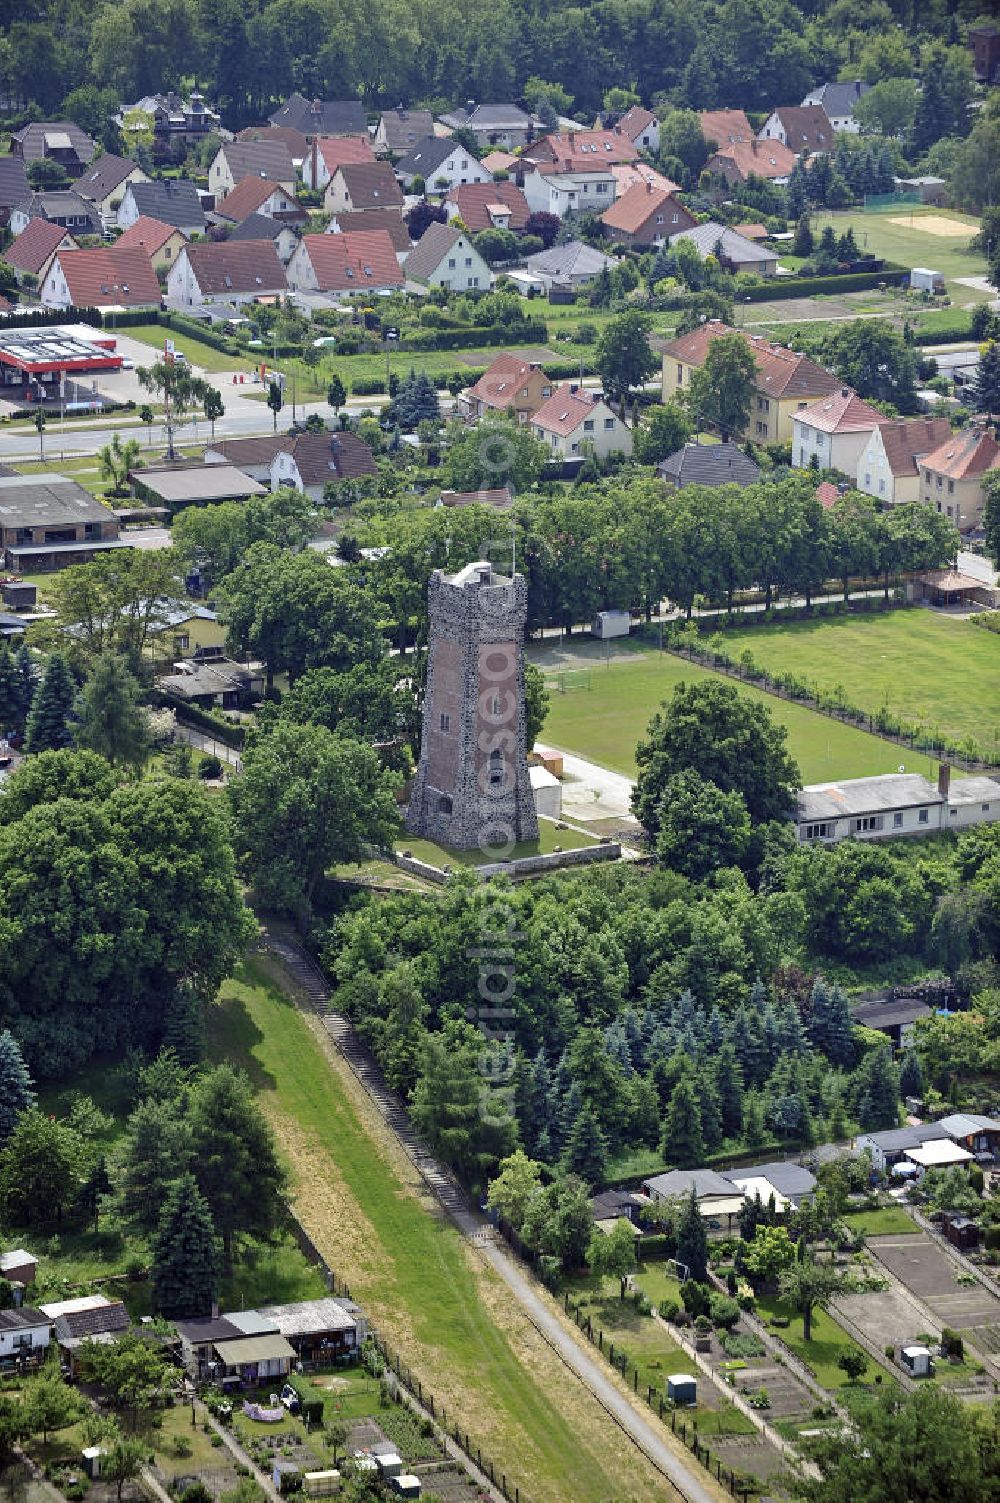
(548, 838)
(888, 1221)
(205, 356)
(176, 1427)
(408, 1267)
(657, 1283)
(912, 244)
(825, 1345)
(925, 667)
(605, 721)
(657, 1357)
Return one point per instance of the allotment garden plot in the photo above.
(928, 1272)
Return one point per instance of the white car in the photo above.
(127, 364)
(326, 339)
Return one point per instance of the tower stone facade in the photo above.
(472, 788)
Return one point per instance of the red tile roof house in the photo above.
(363, 185)
(642, 128)
(740, 160)
(256, 195)
(31, 253)
(645, 216)
(374, 219)
(800, 127)
(574, 423)
(486, 206)
(361, 261)
(509, 385)
(580, 149)
(312, 461)
(327, 153)
(951, 478)
(889, 467)
(106, 277)
(228, 271)
(835, 430)
(627, 174)
(161, 242)
(725, 126)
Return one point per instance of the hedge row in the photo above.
(849, 281)
(531, 331)
(193, 715)
(960, 329)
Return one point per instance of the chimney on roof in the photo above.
(845, 391)
(944, 779)
(572, 140)
(649, 186)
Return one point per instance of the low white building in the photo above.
(894, 804)
(550, 189)
(24, 1334)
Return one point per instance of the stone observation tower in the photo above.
(472, 787)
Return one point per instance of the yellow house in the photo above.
(186, 631)
(162, 243)
(786, 381)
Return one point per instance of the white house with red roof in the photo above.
(105, 277)
(162, 243)
(889, 467)
(574, 423)
(227, 271)
(834, 431)
(327, 153)
(31, 253)
(258, 195)
(357, 261)
(641, 127)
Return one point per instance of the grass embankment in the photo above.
(934, 669)
(605, 719)
(407, 1265)
(549, 840)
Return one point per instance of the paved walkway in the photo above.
(669, 1459)
(590, 791)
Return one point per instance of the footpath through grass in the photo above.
(934, 669)
(409, 1268)
(609, 708)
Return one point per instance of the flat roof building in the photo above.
(49, 521)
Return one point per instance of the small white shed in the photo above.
(922, 279)
(611, 624)
(916, 1360)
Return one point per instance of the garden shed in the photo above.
(682, 1388)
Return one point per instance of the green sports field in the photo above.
(914, 242)
(926, 667)
(605, 713)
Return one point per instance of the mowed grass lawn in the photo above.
(929, 668)
(605, 721)
(549, 837)
(202, 355)
(408, 1267)
(913, 244)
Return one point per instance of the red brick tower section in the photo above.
(472, 789)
